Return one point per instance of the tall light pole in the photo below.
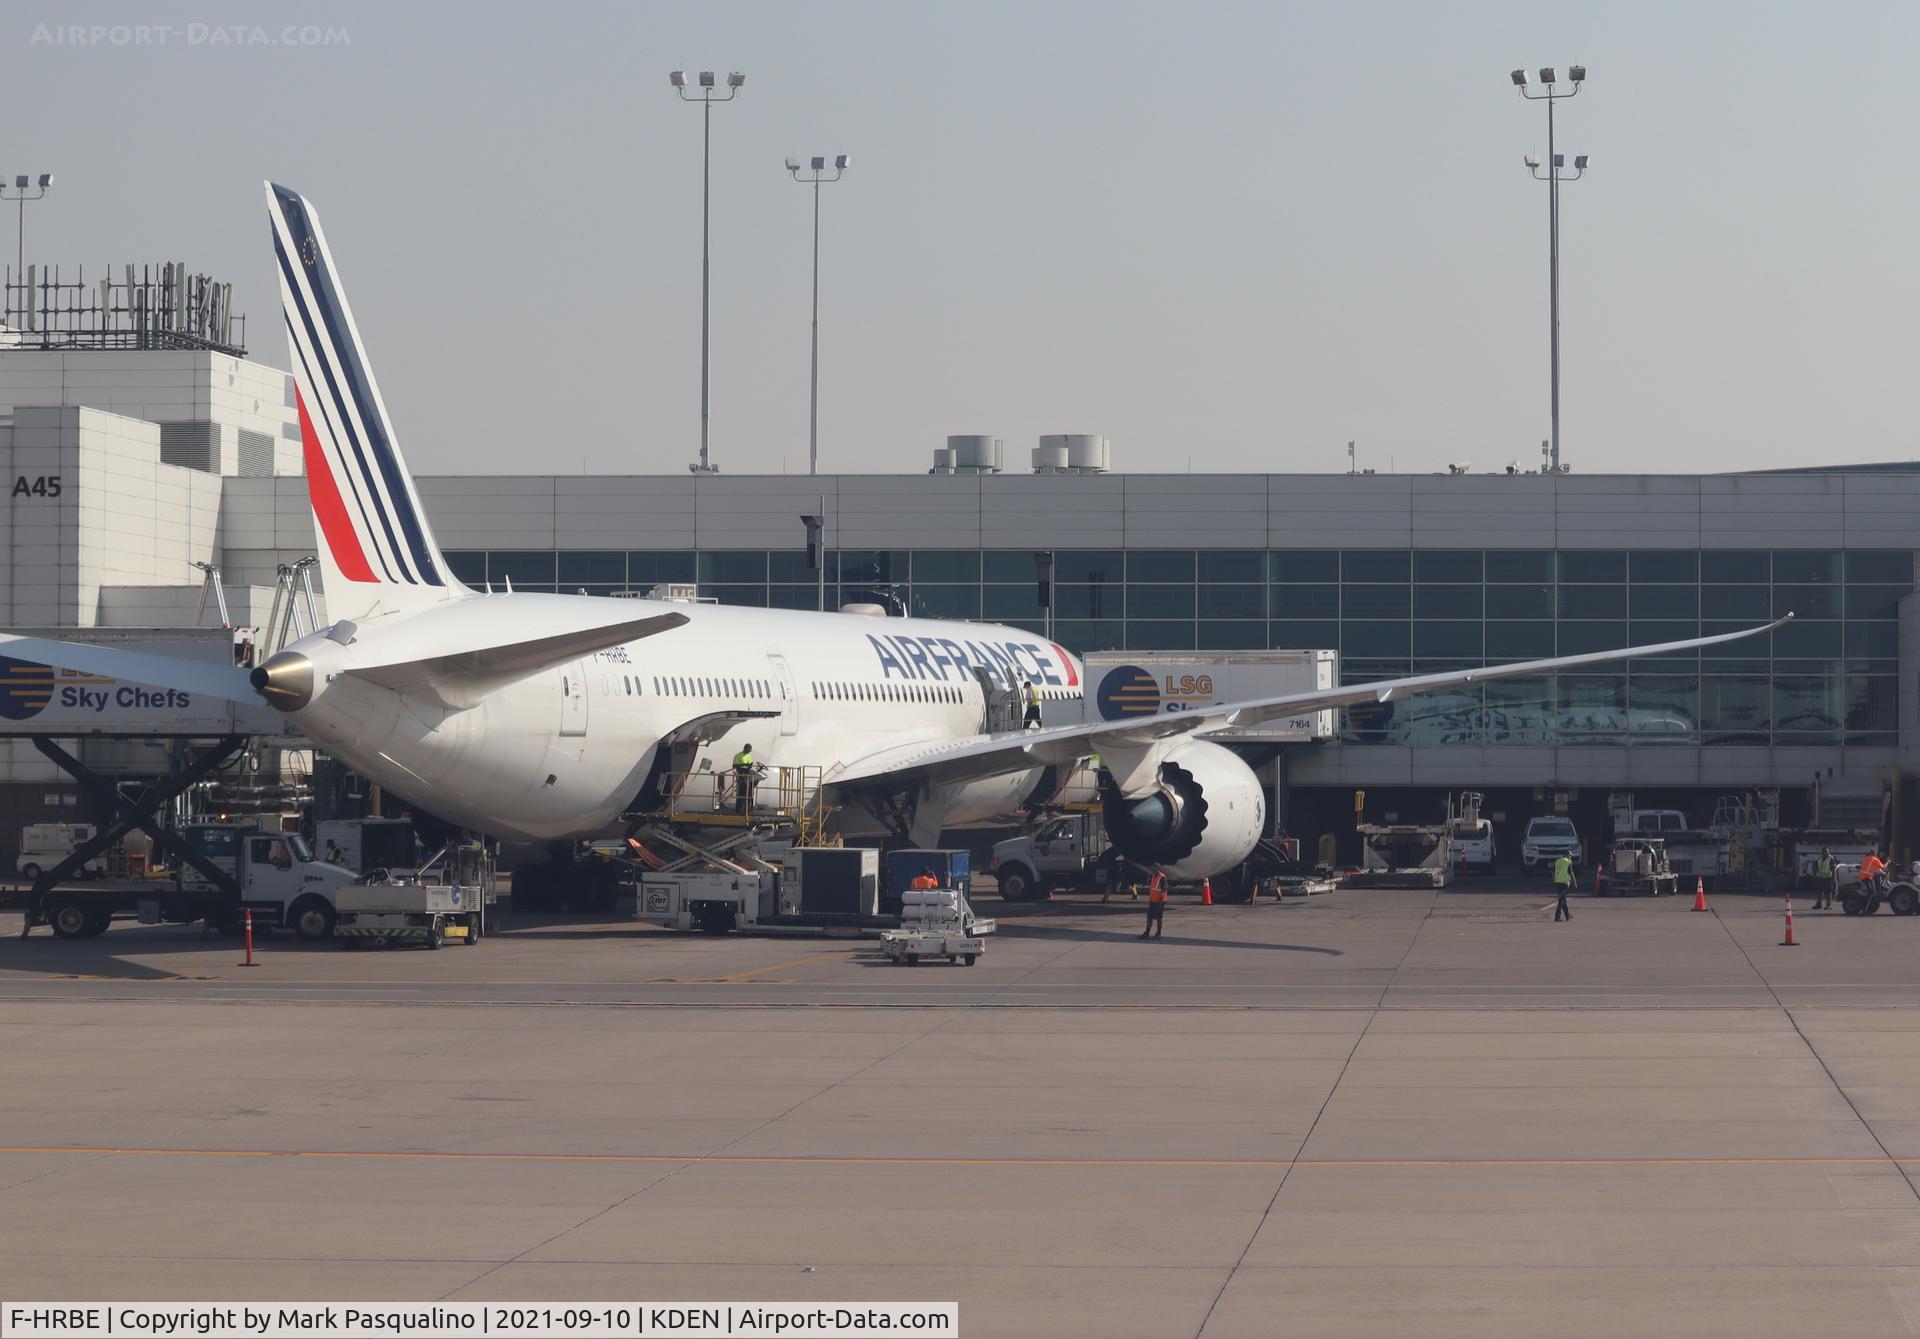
(818, 167)
(706, 97)
(1551, 93)
(20, 186)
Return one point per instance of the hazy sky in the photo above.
(1229, 236)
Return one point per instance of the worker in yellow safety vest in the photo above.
(1562, 885)
(743, 766)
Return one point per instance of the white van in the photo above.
(44, 845)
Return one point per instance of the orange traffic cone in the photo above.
(1789, 941)
(1699, 893)
(1206, 892)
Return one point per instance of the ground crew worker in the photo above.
(1562, 884)
(1031, 695)
(1156, 905)
(1828, 886)
(1872, 873)
(924, 881)
(743, 779)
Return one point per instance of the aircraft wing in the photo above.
(913, 765)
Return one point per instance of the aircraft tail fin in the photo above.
(377, 551)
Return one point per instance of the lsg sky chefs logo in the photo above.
(249, 35)
(25, 689)
(1128, 690)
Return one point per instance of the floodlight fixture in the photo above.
(816, 177)
(706, 97)
(20, 182)
(1553, 171)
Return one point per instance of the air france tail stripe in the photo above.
(373, 413)
(339, 436)
(290, 222)
(330, 454)
(342, 354)
(292, 279)
(328, 508)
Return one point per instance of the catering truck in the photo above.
(279, 881)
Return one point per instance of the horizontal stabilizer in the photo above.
(225, 682)
(461, 678)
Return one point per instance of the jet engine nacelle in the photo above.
(1204, 817)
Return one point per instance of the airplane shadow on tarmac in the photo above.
(1025, 929)
(45, 955)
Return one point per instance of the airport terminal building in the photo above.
(165, 459)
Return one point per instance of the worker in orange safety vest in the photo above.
(1156, 905)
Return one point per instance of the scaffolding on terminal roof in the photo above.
(158, 306)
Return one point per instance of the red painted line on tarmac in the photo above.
(747, 1159)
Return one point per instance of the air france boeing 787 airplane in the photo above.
(537, 717)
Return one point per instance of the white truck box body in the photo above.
(417, 898)
(1123, 684)
(50, 701)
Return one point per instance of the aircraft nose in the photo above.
(285, 681)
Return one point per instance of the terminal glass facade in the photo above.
(1829, 677)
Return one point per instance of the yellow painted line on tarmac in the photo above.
(748, 977)
(828, 1160)
(780, 966)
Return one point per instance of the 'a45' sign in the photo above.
(40, 485)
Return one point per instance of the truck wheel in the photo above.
(969, 959)
(1904, 901)
(72, 919)
(1016, 884)
(312, 919)
(473, 928)
(29, 871)
(436, 936)
(913, 960)
(1853, 904)
(102, 918)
